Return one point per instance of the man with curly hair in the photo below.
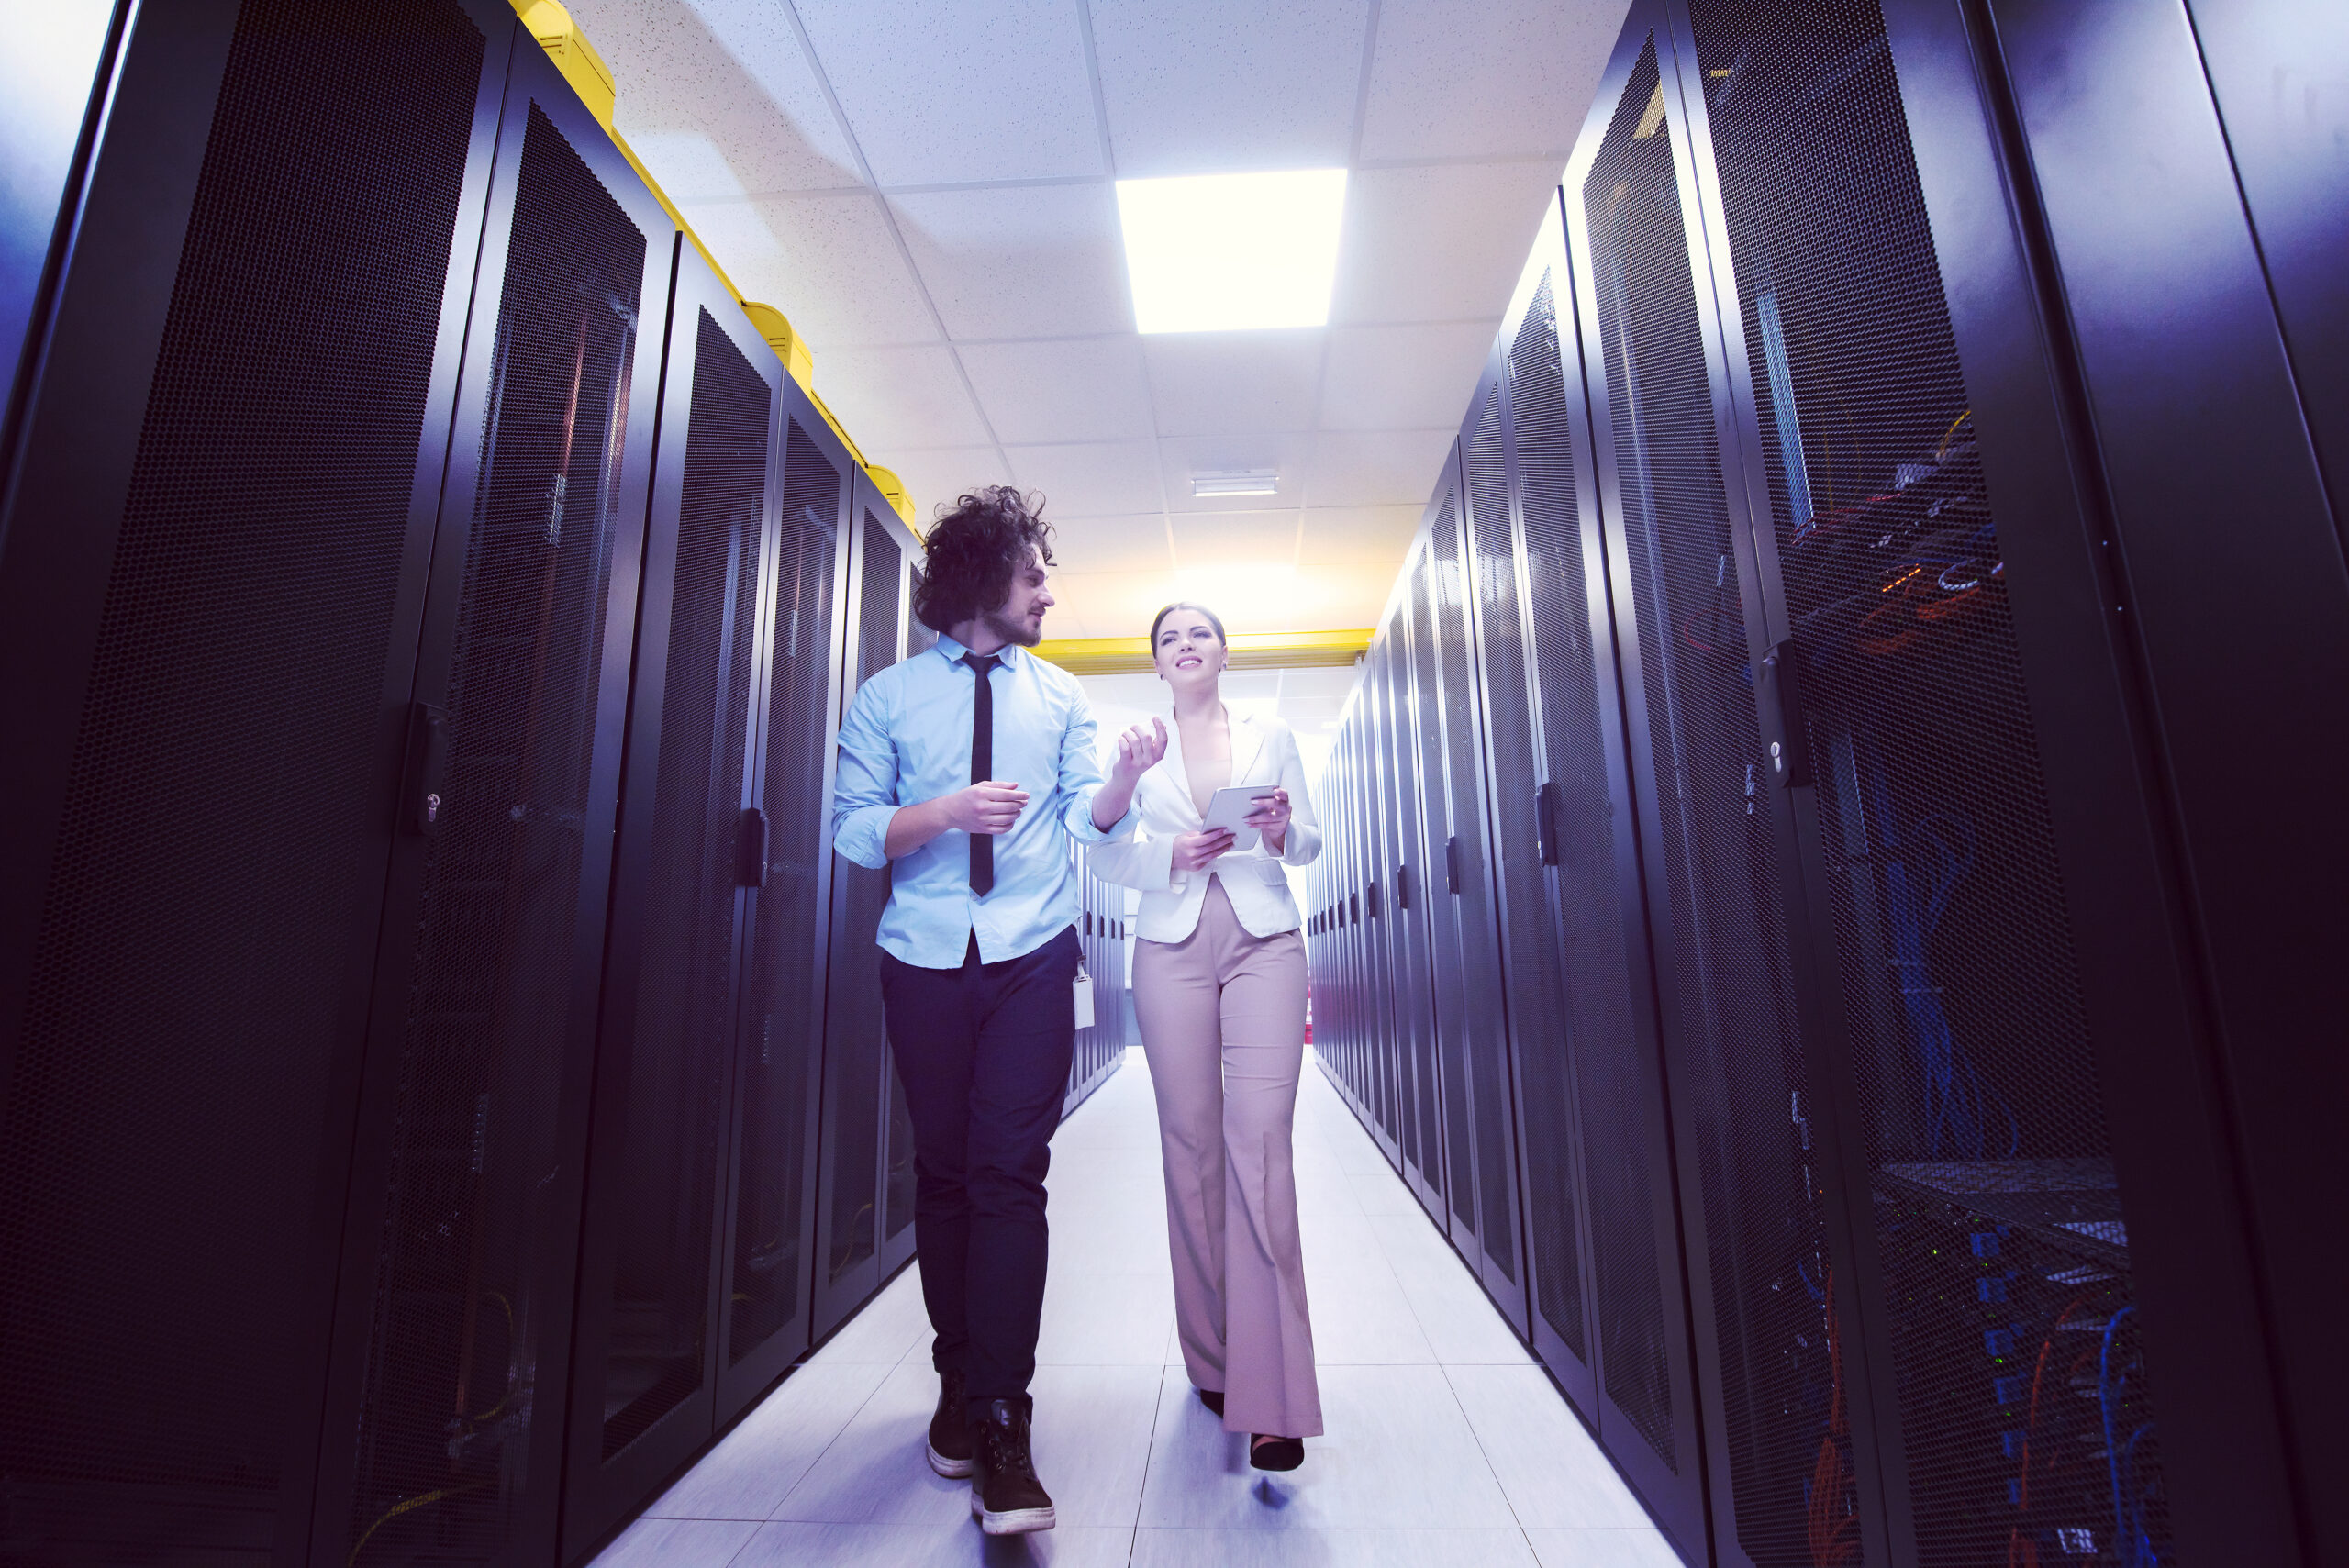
(941, 756)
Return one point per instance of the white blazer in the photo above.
(1263, 752)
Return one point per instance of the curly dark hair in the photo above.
(973, 551)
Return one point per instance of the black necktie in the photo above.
(982, 762)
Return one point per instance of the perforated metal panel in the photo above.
(1576, 969)
(1493, 1117)
(857, 1074)
(1722, 943)
(1431, 911)
(774, 1220)
(218, 864)
(452, 1363)
(2020, 1371)
(671, 1073)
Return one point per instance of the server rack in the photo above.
(1459, 840)
(692, 848)
(865, 1190)
(453, 1336)
(220, 519)
(767, 1315)
(1849, 557)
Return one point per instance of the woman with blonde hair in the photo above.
(1220, 993)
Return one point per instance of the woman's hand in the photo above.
(1194, 851)
(1271, 818)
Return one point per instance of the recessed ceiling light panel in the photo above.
(1241, 482)
(1232, 252)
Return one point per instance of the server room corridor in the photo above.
(1754, 578)
(1448, 1446)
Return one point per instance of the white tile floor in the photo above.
(1447, 1447)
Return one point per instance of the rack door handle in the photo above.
(1782, 732)
(424, 771)
(1451, 866)
(1545, 821)
(751, 848)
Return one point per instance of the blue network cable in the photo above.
(1958, 1106)
(2131, 1544)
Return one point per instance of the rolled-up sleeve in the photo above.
(1081, 779)
(864, 792)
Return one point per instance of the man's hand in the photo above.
(1270, 817)
(1194, 851)
(989, 807)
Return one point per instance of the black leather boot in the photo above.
(950, 1430)
(1005, 1492)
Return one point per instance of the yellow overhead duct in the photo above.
(1250, 650)
(592, 79)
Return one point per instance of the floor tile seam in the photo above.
(1486, 1453)
(829, 1443)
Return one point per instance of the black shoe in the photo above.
(1005, 1492)
(1275, 1453)
(1210, 1397)
(949, 1430)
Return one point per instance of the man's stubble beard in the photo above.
(1011, 630)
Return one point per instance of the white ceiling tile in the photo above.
(1029, 262)
(938, 477)
(1286, 453)
(1136, 543)
(1444, 244)
(1288, 598)
(1234, 541)
(1092, 478)
(1334, 536)
(1084, 389)
(941, 94)
(828, 262)
(1104, 604)
(1203, 88)
(899, 397)
(1383, 378)
(1209, 383)
(1474, 78)
(1375, 468)
(729, 73)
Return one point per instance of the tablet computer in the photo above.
(1230, 804)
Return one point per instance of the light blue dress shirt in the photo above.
(907, 738)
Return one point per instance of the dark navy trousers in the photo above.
(984, 1052)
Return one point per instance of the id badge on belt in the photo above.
(1084, 998)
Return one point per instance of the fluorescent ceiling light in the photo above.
(1249, 482)
(1232, 252)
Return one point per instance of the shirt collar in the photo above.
(952, 651)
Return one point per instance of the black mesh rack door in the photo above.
(858, 1077)
(461, 1270)
(1467, 863)
(1402, 902)
(209, 595)
(771, 1234)
(1433, 920)
(1760, 1278)
(1565, 930)
(2002, 1269)
(692, 844)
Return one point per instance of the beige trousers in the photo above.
(1222, 1016)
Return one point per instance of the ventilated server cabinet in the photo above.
(865, 1201)
(407, 1087)
(1898, 1027)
